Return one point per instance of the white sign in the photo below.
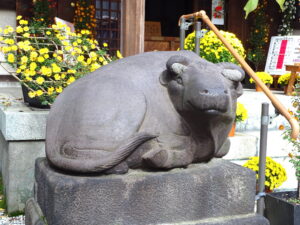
(283, 50)
(217, 12)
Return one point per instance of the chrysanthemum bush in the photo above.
(275, 174)
(241, 113)
(284, 79)
(48, 59)
(212, 49)
(264, 76)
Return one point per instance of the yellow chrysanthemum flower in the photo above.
(275, 174)
(23, 22)
(40, 80)
(11, 58)
(41, 59)
(39, 92)
(59, 89)
(31, 94)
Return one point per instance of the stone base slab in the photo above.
(196, 195)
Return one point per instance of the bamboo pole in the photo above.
(277, 104)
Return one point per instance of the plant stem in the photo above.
(298, 189)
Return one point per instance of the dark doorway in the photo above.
(167, 12)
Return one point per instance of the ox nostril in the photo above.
(205, 91)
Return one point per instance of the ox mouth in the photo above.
(212, 109)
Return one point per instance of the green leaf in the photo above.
(251, 6)
(280, 3)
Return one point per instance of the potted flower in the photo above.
(212, 49)
(48, 59)
(240, 116)
(283, 80)
(265, 77)
(275, 174)
(284, 207)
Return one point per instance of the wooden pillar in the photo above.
(133, 22)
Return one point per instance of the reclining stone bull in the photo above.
(154, 110)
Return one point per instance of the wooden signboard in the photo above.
(283, 50)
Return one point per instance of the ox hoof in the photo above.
(156, 158)
(121, 168)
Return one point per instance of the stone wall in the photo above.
(21, 142)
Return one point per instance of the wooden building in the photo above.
(122, 23)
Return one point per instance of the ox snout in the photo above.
(211, 101)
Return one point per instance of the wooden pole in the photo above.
(277, 104)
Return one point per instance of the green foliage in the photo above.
(43, 11)
(295, 143)
(48, 59)
(2, 200)
(286, 28)
(259, 36)
(16, 213)
(241, 113)
(251, 5)
(294, 200)
(84, 18)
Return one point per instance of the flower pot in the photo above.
(279, 211)
(34, 102)
(232, 131)
(285, 89)
(259, 89)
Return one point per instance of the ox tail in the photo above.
(96, 160)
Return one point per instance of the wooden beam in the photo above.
(133, 23)
(291, 85)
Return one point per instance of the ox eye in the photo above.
(179, 80)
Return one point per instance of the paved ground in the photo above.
(5, 220)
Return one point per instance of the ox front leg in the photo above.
(169, 151)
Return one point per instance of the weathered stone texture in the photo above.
(202, 191)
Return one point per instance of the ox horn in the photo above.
(233, 75)
(178, 68)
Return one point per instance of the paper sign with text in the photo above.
(283, 50)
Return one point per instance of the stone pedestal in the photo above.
(22, 140)
(218, 192)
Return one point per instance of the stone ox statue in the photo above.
(153, 110)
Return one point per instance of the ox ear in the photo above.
(176, 65)
(232, 71)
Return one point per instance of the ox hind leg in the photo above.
(169, 151)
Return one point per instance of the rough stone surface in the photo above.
(250, 219)
(22, 123)
(21, 142)
(153, 110)
(242, 146)
(18, 173)
(33, 213)
(208, 190)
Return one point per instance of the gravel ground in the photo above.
(5, 220)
